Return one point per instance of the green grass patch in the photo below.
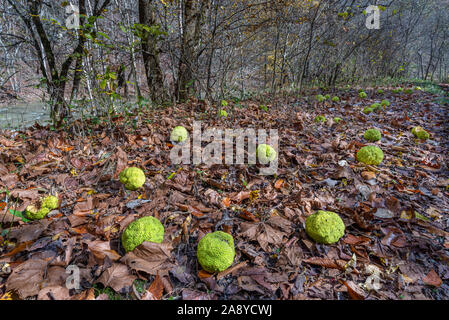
(112, 295)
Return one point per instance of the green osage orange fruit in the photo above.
(372, 135)
(266, 153)
(319, 119)
(179, 134)
(371, 155)
(215, 251)
(133, 178)
(47, 204)
(325, 227)
(141, 230)
(420, 133)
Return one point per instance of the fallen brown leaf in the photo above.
(368, 175)
(354, 291)
(432, 279)
(122, 162)
(27, 278)
(54, 293)
(156, 288)
(150, 257)
(327, 263)
(117, 277)
(101, 249)
(85, 295)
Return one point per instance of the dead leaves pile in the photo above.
(395, 214)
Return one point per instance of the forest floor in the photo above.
(396, 240)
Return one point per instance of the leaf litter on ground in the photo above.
(396, 214)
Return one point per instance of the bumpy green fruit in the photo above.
(376, 106)
(144, 229)
(50, 202)
(179, 134)
(372, 135)
(420, 133)
(47, 204)
(319, 119)
(335, 99)
(327, 96)
(216, 251)
(363, 95)
(337, 120)
(371, 155)
(320, 98)
(133, 178)
(367, 110)
(380, 91)
(408, 91)
(385, 103)
(266, 153)
(223, 113)
(31, 212)
(325, 227)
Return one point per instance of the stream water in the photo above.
(19, 116)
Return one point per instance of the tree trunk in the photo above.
(79, 53)
(309, 46)
(193, 12)
(150, 52)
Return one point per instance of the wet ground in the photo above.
(21, 115)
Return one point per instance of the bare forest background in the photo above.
(165, 51)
